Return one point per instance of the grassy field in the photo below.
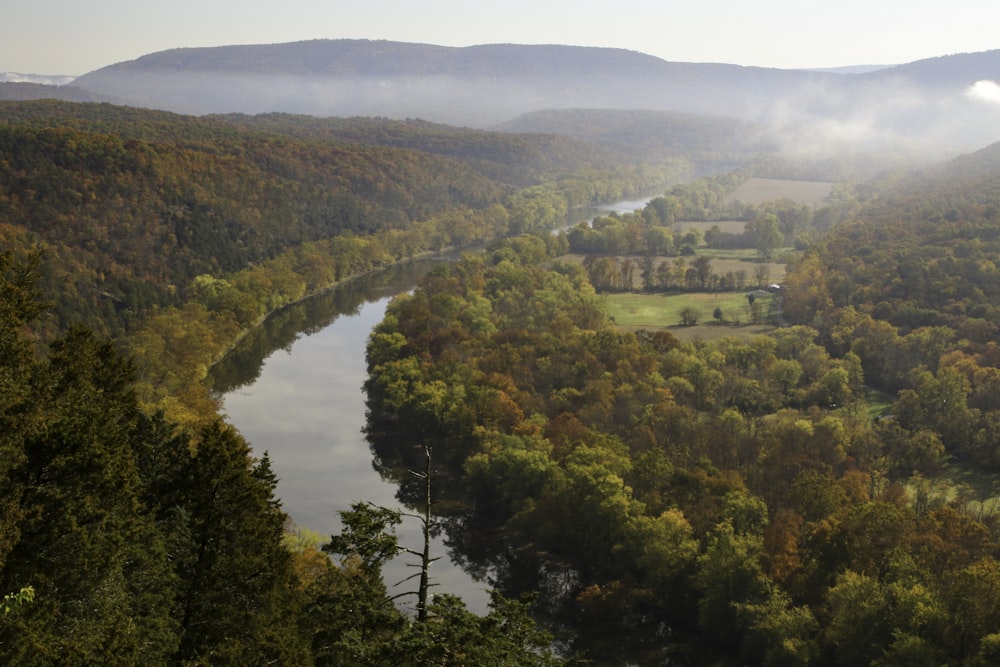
(662, 311)
(759, 190)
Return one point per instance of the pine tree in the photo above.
(237, 593)
(82, 532)
(18, 305)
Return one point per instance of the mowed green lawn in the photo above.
(662, 311)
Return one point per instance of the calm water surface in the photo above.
(306, 408)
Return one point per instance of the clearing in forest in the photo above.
(760, 190)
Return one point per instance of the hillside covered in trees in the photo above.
(127, 540)
(789, 499)
(138, 529)
(924, 102)
(176, 233)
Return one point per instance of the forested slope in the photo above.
(135, 204)
(176, 233)
(128, 540)
(911, 286)
(724, 502)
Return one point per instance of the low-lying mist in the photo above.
(806, 114)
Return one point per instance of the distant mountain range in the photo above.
(924, 102)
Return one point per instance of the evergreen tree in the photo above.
(18, 305)
(82, 532)
(237, 588)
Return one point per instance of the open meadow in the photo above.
(632, 310)
(760, 190)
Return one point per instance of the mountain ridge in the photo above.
(483, 86)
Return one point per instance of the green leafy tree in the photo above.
(350, 616)
(12, 602)
(729, 574)
(690, 316)
(765, 232)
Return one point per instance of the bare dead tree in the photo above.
(424, 555)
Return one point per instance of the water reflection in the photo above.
(243, 365)
(305, 407)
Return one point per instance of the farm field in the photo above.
(760, 190)
(662, 311)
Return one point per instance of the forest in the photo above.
(135, 248)
(790, 499)
(794, 498)
(174, 234)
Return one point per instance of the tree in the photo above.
(351, 618)
(766, 234)
(12, 602)
(454, 637)
(85, 543)
(883, 622)
(236, 577)
(689, 316)
(702, 264)
(729, 574)
(779, 633)
(424, 554)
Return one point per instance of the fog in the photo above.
(894, 116)
(912, 110)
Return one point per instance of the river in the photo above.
(293, 388)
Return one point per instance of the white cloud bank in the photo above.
(985, 91)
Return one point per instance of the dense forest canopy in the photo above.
(795, 498)
(143, 202)
(175, 233)
(737, 491)
(137, 527)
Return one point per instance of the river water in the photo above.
(293, 388)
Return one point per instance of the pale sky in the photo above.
(79, 36)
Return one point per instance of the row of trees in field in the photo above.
(657, 229)
(681, 274)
